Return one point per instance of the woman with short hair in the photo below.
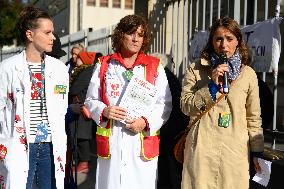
(127, 147)
(33, 103)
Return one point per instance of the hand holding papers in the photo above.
(263, 177)
(139, 98)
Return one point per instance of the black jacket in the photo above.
(79, 87)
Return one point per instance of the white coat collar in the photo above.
(48, 67)
(22, 66)
(22, 62)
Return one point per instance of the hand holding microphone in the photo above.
(224, 60)
(220, 73)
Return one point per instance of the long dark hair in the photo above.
(128, 25)
(231, 25)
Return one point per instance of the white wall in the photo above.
(96, 17)
(73, 21)
(101, 17)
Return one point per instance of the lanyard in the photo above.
(39, 90)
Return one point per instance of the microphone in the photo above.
(224, 60)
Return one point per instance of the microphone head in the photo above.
(223, 57)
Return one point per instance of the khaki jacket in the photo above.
(218, 157)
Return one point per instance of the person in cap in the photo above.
(79, 82)
(57, 51)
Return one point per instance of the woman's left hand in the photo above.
(256, 165)
(135, 125)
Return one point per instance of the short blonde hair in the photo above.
(78, 46)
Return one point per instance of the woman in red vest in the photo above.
(128, 138)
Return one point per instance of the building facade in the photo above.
(97, 14)
(73, 16)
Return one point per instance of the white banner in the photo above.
(263, 39)
(197, 44)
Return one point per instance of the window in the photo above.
(129, 4)
(91, 2)
(104, 3)
(116, 3)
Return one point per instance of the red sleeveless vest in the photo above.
(149, 144)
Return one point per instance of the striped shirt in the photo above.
(36, 116)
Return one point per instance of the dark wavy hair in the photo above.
(231, 25)
(27, 20)
(128, 25)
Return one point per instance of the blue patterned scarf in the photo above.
(234, 63)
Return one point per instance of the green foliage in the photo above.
(8, 19)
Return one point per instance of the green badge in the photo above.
(224, 119)
(60, 89)
(128, 74)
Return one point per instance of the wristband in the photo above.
(147, 128)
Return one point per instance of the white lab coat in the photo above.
(126, 168)
(15, 80)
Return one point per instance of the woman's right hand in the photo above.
(218, 72)
(115, 113)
